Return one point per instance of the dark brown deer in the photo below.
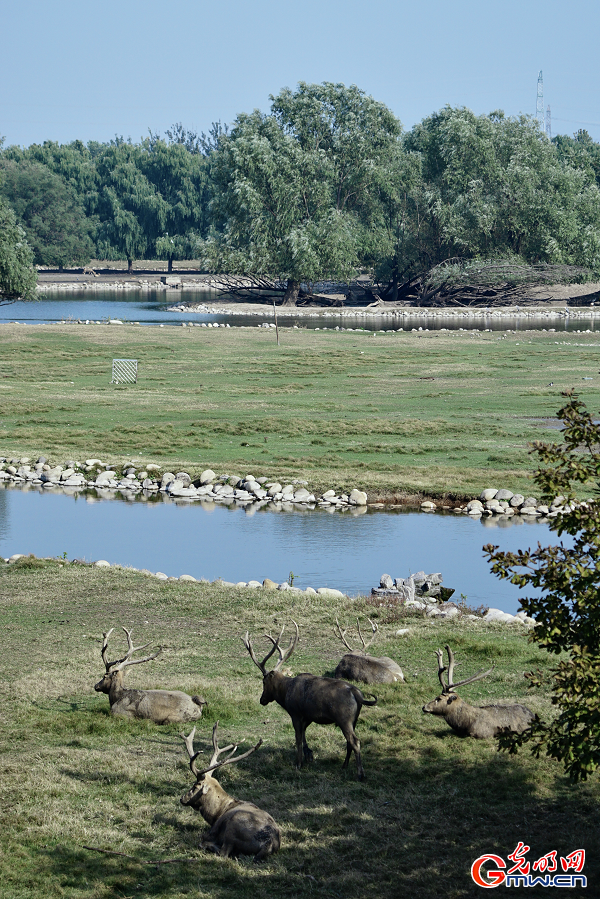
(481, 722)
(236, 827)
(359, 666)
(308, 698)
(160, 706)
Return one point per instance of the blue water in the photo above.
(150, 308)
(322, 549)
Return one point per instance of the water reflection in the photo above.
(346, 551)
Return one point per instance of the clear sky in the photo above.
(75, 69)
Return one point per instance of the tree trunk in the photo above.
(292, 290)
(129, 266)
(170, 265)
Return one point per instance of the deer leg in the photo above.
(353, 745)
(307, 752)
(210, 846)
(300, 741)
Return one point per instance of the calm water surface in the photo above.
(337, 550)
(150, 308)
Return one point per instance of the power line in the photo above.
(575, 121)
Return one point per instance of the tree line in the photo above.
(324, 186)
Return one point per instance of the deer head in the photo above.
(271, 679)
(342, 636)
(119, 665)
(207, 795)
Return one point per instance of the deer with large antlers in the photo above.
(236, 827)
(308, 698)
(160, 706)
(481, 722)
(359, 666)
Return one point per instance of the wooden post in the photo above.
(276, 325)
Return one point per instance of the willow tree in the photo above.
(293, 189)
(17, 274)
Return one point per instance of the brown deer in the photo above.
(358, 665)
(481, 722)
(160, 706)
(308, 698)
(236, 827)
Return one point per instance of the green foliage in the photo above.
(17, 274)
(568, 609)
(293, 190)
(495, 187)
(49, 211)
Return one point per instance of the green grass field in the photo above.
(393, 413)
(72, 776)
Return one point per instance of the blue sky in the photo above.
(74, 69)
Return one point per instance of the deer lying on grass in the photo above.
(236, 827)
(358, 665)
(308, 698)
(160, 706)
(481, 722)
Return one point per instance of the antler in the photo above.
(342, 634)
(126, 660)
(286, 653)
(214, 763)
(374, 627)
(283, 655)
(450, 687)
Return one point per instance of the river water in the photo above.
(150, 307)
(346, 551)
(342, 550)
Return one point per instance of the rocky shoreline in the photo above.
(414, 593)
(131, 479)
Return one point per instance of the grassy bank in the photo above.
(393, 413)
(72, 776)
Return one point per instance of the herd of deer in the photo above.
(238, 827)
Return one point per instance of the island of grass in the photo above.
(396, 413)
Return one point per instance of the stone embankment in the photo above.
(503, 504)
(133, 478)
(128, 479)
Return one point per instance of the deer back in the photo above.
(368, 669)
(244, 829)
(481, 722)
(323, 700)
(160, 706)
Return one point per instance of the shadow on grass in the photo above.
(413, 828)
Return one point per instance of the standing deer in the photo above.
(308, 698)
(358, 665)
(160, 706)
(236, 827)
(481, 722)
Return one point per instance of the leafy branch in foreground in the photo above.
(568, 607)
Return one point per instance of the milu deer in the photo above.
(481, 722)
(236, 827)
(308, 698)
(359, 666)
(160, 706)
